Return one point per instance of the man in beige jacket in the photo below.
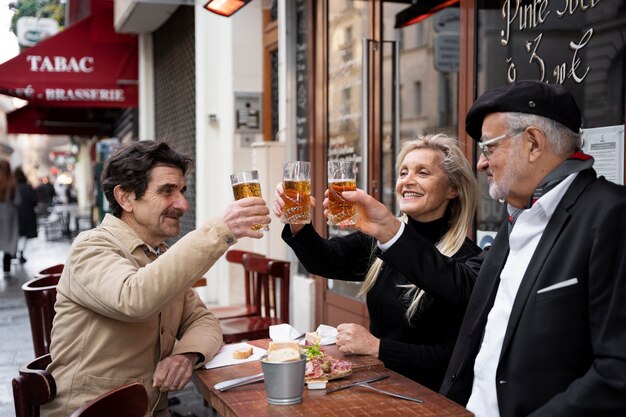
(125, 310)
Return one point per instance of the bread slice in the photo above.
(242, 353)
(292, 344)
(312, 338)
(283, 355)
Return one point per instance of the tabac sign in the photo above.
(45, 63)
(86, 65)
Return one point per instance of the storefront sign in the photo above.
(606, 145)
(447, 52)
(86, 65)
(447, 20)
(31, 30)
(109, 95)
(531, 19)
(60, 63)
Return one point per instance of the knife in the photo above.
(352, 384)
(237, 382)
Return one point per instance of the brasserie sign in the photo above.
(531, 17)
(112, 95)
(70, 65)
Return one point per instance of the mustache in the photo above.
(175, 213)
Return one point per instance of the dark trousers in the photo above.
(6, 262)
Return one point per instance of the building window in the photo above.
(347, 46)
(274, 11)
(417, 98)
(419, 34)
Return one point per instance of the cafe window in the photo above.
(420, 79)
(579, 44)
(347, 24)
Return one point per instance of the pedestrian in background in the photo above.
(26, 217)
(8, 217)
(46, 194)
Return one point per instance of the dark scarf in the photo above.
(574, 164)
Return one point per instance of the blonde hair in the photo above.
(461, 208)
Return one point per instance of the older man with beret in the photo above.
(544, 333)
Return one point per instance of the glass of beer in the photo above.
(246, 184)
(297, 192)
(341, 177)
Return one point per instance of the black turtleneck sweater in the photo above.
(419, 350)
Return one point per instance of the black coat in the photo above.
(26, 218)
(564, 350)
(420, 350)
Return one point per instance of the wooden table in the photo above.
(250, 400)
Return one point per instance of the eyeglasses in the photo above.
(484, 144)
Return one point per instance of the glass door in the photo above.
(348, 24)
(428, 87)
(384, 87)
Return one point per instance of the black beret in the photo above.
(528, 96)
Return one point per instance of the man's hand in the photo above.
(354, 338)
(374, 218)
(174, 372)
(242, 214)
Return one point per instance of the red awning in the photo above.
(422, 10)
(62, 121)
(86, 65)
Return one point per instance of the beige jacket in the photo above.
(120, 310)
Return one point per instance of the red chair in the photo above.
(199, 283)
(130, 400)
(53, 270)
(33, 387)
(270, 289)
(249, 308)
(41, 294)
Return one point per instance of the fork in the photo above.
(392, 394)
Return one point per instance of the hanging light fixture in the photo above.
(225, 7)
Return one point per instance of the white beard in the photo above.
(500, 190)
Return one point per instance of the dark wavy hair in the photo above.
(19, 175)
(129, 167)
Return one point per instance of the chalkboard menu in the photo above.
(302, 92)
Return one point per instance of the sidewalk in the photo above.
(16, 346)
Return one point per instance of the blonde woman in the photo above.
(412, 332)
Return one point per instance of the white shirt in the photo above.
(384, 246)
(523, 241)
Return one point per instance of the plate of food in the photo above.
(321, 367)
(234, 354)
